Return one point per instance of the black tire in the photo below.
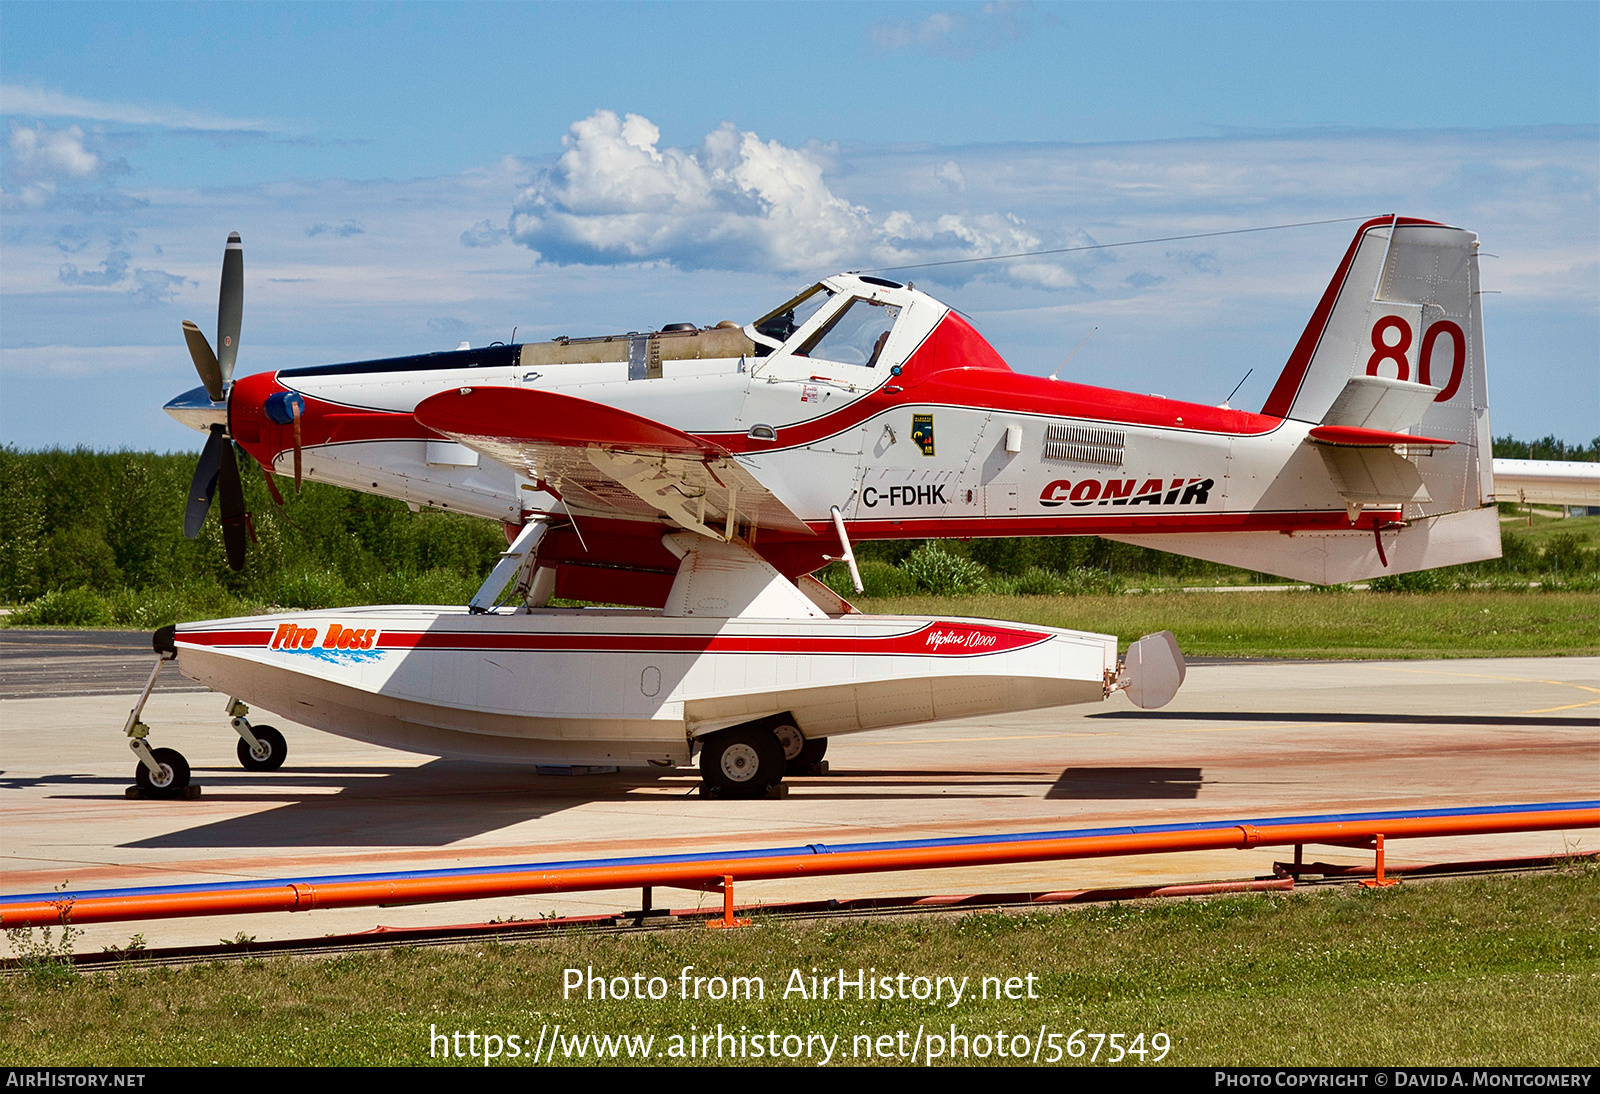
(790, 737)
(800, 753)
(811, 755)
(276, 750)
(175, 775)
(742, 762)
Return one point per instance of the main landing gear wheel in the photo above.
(269, 753)
(800, 753)
(172, 781)
(810, 755)
(743, 762)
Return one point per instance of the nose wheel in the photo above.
(261, 748)
(162, 772)
(267, 754)
(170, 780)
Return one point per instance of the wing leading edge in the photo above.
(603, 461)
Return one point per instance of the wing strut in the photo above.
(849, 556)
(512, 561)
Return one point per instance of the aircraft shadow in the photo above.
(881, 784)
(1510, 720)
(234, 778)
(438, 803)
(940, 774)
(1126, 783)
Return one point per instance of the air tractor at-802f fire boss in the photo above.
(702, 476)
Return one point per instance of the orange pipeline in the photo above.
(709, 873)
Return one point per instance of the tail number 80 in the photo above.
(1391, 340)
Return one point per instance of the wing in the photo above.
(604, 461)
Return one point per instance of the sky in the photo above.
(410, 176)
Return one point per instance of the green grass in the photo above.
(1265, 624)
(1306, 624)
(1496, 971)
(1546, 525)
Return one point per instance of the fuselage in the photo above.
(925, 433)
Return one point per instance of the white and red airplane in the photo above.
(702, 476)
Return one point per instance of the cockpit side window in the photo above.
(781, 323)
(856, 336)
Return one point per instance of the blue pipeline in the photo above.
(809, 849)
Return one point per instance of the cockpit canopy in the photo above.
(847, 320)
(779, 325)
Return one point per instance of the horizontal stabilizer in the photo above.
(1349, 436)
(1377, 402)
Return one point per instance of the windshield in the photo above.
(781, 323)
(856, 336)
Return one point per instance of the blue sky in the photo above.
(410, 176)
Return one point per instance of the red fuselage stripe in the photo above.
(939, 639)
(1099, 524)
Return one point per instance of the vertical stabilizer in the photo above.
(1395, 349)
(1402, 316)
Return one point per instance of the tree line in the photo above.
(101, 532)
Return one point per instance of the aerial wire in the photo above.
(1109, 246)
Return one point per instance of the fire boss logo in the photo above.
(1122, 492)
(289, 636)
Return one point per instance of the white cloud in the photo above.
(51, 153)
(111, 271)
(61, 360)
(343, 231)
(1044, 275)
(41, 158)
(949, 173)
(957, 34)
(614, 196)
(36, 102)
(150, 286)
(485, 233)
(157, 286)
(936, 32)
(1170, 320)
(736, 202)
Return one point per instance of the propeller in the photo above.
(218, 470)
(205, 482)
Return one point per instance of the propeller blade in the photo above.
(204, 484)
(235, 520)
(230, 305)
(205, 362)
